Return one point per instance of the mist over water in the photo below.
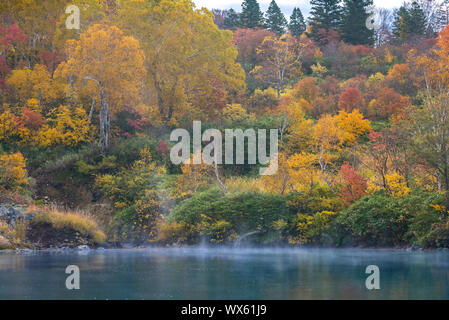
(226, 273)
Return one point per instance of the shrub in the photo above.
(170, 232)
(312, 228)
(219, 215)
(376, 221)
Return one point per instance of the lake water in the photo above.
(200, 273)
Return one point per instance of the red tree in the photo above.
(354, 185)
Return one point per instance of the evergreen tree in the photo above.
(274, 19)
(251, 16)
(409, 22)
(418, 21)
(401, 24)
(353, 25)
(297, 26)
(232, 20)
(325, 19)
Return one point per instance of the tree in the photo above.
(13, 173)
(251, 16)
(231, 20)
(113, 62)
(350, 99)
(281, 61)
(418, 20)
(188, 58)
(325, 20)
(353, 26)
(409, 22)
(297, 26)
(274, 19)
(429, 136)
(353, 186)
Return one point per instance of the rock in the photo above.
(5, 244)
(11, 215)
(83, 247)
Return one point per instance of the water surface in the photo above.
(199, 273)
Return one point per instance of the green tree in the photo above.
(325, 19)
(409, 22)
(231, 20)
(418, 21)
(297, 26)
(429, 136)
(251, 16)
(353, 26)
(274, 19)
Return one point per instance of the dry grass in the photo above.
(76, 220)
(238, 184)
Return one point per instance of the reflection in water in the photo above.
(200, 273)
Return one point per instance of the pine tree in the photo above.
(409, 23)
(274, 19)
(251, 16)
(401, 24)
(353, 26)
(418, 21)
(297, 26)
(325, 19)
(232, 20)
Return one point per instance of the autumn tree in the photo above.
(188, 58)
(350, 99)
(13, 173)
(353, 185)
(429, 136)
(281, 61)
(113, 62)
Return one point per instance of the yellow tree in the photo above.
(190, 62)
(113, 62)
(353, 125)
(13, 172)
(328, 140)
(193, 177)
(35, 84)
(281, 61)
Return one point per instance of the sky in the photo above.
(285, 5)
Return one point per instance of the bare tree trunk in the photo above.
(92, 109)
(104, 122)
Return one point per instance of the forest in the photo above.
(359, 95)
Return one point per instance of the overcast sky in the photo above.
(286, 5)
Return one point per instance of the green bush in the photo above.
(376, 221)
(234, 213)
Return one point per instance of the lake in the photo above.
(225, 273)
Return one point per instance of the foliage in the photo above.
(376, 221)
(13, 173)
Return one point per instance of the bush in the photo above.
(376, 221)
(176, 232)
(220, 215)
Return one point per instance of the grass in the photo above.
(76, 220)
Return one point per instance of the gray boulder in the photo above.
(11, 215)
